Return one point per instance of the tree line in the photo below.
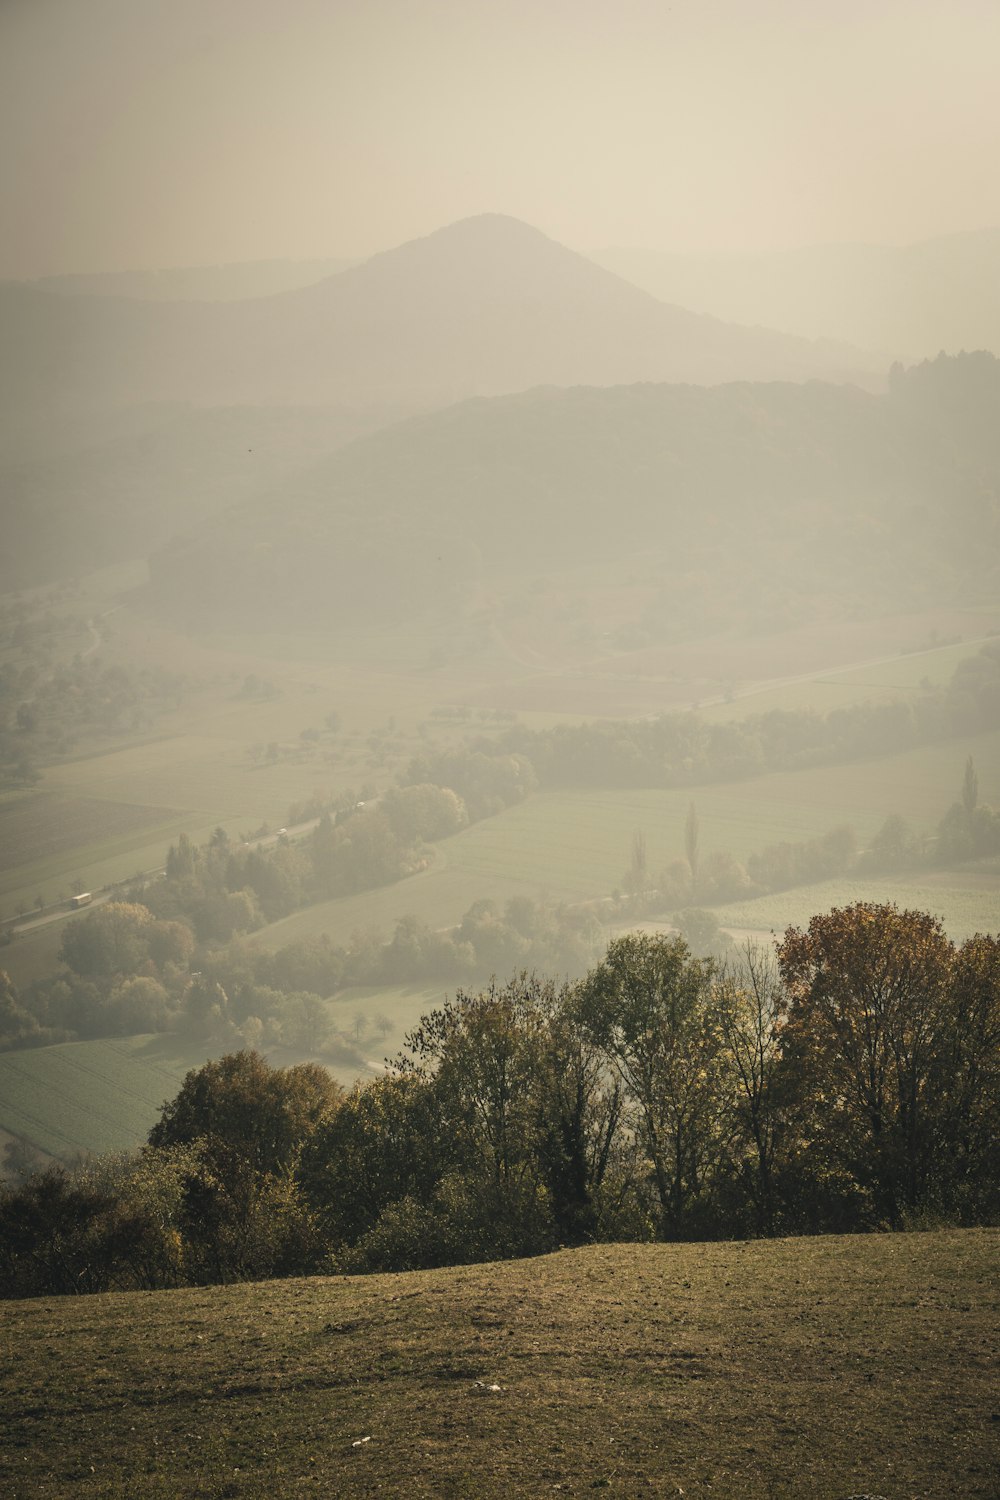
(182, 957)
(969, 829)
(127, 971)
(683, 749)
(848, 1081)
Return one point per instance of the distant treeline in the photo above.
(180, 956)
(48, 711)
(852, 1082)
(683, 749)
(127, 971)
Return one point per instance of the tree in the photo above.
(751, 1008)
(691, 844)
(868, 988)
(637, 876)
(967, 1083)
(242, 1213)
(482, 1053)
(580, 1107)
(970, 791)
(647, 1004)
(240, 1103)
(385, 1143)
(114, 939)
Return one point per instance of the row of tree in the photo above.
(127, 971)
(850, 1081)
(683, 749)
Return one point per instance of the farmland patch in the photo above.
(966, 902)
(45, 824)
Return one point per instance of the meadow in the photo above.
(966, 901)
(98, 1096)
(238, 757)
(92, 1096)
(576, 845)
(819, 1368)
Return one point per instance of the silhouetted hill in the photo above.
(485, 306)
(826, 495)
(914, 300)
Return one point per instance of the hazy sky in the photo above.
(154, 133)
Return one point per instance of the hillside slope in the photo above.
(739, 497)
(484, 306)
(808, 1369)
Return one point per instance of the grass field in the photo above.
(92, 1096)
(196, 770)
(809, 1369)
(387, 1012)
(966, 900)
(577, 845)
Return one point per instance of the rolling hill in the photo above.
(723, 503)
(485, 306)
(844, 1366)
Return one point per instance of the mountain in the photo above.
(942, 293)
(725, 503)
(483, 307)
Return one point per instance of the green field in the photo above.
(967, 901)
(104, 1095)
(806, 1369)
(897, 679)
(92, 1096)
(576, 845)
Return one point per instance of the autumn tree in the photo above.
(868, 987)
(114, 939)
(243, 1215)
(750, 1006)
(967, 1084)
(647, 1005)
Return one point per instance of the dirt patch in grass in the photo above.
(801, 1368)
(42, 825)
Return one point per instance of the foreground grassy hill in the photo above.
(818, 1368)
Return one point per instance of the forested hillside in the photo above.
(743, 503)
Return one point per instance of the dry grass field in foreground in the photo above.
(807, 1368)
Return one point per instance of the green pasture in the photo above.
(575, 845)
(965, 901)
(377, 1017)
(105, 1095)
(578, 843)
(92, 1096)
(34, 954)
(438, 897)
(898, 678)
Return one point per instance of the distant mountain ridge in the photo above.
(483, 307)
(914, 300)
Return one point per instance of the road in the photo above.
(61, 910)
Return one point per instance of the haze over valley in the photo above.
(501, 561)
